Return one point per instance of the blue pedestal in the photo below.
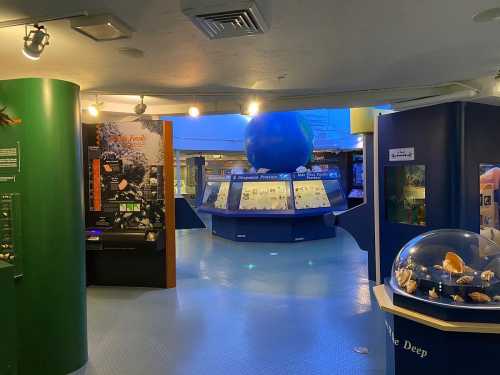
(271, 229)
(415, 349)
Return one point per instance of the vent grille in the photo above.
(230, 23)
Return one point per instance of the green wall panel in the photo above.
(8, 352)
(50, 295)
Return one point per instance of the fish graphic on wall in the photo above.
(6, 120)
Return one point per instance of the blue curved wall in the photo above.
(331, 129)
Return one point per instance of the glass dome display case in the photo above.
(442, 271)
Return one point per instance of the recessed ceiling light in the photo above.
(102, 27)
(253, 108)
(194, 111)
(131, 52)
(488, 15)
(94, 108)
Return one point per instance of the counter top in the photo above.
(385, 303)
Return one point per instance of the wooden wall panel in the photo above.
(170, 247)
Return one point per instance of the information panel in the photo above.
(265, 195)
(310, 194)
(10, 230)
(10, 160)
(221, 201)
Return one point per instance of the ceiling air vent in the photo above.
(228, 19)
(102, 27)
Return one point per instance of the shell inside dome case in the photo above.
(450, 267)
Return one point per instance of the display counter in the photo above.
(113, 257)
(273, 207)
(442, 305)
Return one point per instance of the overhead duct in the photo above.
(225, 19)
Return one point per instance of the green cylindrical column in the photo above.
(51, 304)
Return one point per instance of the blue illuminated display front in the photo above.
(327, 175)
(331, 128)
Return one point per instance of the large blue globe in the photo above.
(279, 141)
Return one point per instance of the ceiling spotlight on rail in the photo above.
(35, 42)
(140, 108)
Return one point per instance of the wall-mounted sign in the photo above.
(7, 179)
(9, 159)
(125, 173)
(261, 177)
(402, 154)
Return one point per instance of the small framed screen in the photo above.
(405, 194)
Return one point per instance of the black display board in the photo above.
(125, 213)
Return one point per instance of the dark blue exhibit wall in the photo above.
(451, 140)
(359, 221)
(433, 133)
(481, 135)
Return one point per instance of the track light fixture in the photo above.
(35, 41)
(140, 108)
(94, 108)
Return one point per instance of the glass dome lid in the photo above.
(449, 267)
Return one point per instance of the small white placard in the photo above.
(402, 154)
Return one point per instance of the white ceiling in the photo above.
(320, 46)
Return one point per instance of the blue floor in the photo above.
(241, 309)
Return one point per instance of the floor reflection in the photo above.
(243, 308)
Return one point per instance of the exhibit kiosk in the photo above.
(437, 168)
(442, 304)
(283, 203)
(438, 179)
(130, 237)
(274, 207)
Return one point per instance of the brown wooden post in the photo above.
(168, 173)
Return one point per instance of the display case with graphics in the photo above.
(125, 205)
(489, 201)
(442, 305)
(243, 205)
(319, 190)
(449, 273)
(216, 192)
(265, 193)
(275, 194)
